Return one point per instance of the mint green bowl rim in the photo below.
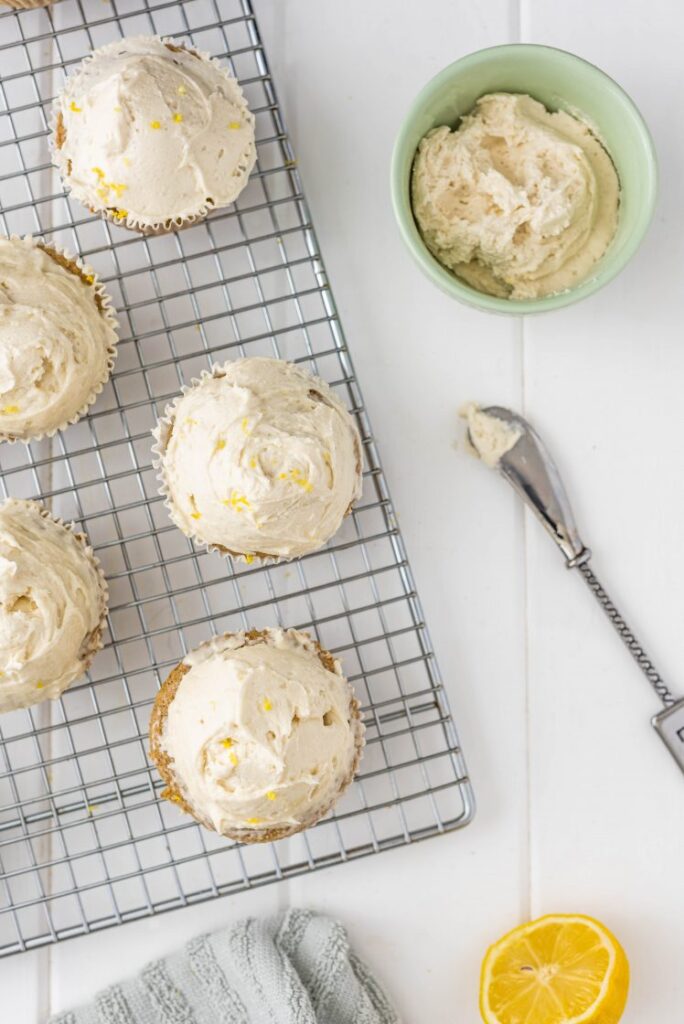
(448, 282)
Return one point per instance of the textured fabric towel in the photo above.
(293, 969)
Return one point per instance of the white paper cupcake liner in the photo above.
(93, 641)
(135, 222)
(162, 433)
(106, 310)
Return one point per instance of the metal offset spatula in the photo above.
(530, 470)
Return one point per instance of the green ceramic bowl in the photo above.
(560, 81)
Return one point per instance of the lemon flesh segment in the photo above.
(560, 969)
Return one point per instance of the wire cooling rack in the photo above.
(85, 841)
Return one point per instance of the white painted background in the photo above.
(579, 807)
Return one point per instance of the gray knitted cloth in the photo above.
(293, 969)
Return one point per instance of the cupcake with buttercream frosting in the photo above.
(53, 604)
(57, 339)
(256, 734)
(152, 134)
(258, 459)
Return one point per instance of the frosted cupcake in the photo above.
(53, 603)
(256, 734)
(57, 339)
(259, 459)
(153, 135)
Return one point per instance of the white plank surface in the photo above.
(579, 809)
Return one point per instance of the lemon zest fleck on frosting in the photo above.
(254, 821)
(266, 704)
(270, 795)
(237, 501)
(120, 214)
(195, 514)
(249, 559)
(220, 445)
(245, 424)
(235, 126)
(89, 278)
(296, 476)
(227, 743)
(107, 186)
(40, 685)
(155, 124)
(181, 90)
(74, 109)
(178, 118)
(10, 410)
(234, 760)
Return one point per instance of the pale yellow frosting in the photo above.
(261, 734)
(52, 601)
(518, 201)
(259, 458)
(490, 438)
(153, 134)
(56, 343)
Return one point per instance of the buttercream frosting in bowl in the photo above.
(259, 459)
(518, 201)
(153, 134)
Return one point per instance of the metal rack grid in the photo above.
(85, 842)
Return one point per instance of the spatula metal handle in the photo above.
(669, 723)
(628, 638)
(529, 468)
(531, 471)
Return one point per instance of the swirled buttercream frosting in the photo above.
(153, 134)
(259, 459)
(257, 732)
(52, 605)
(57, 339)
(519, 201)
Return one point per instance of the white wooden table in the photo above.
(579, 807)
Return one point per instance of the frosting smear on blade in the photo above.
(52, 601)
(259, 459)
(518, 201)
(260, 734)
(153, 133)
(490, 438)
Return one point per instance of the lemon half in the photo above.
(559, 969)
